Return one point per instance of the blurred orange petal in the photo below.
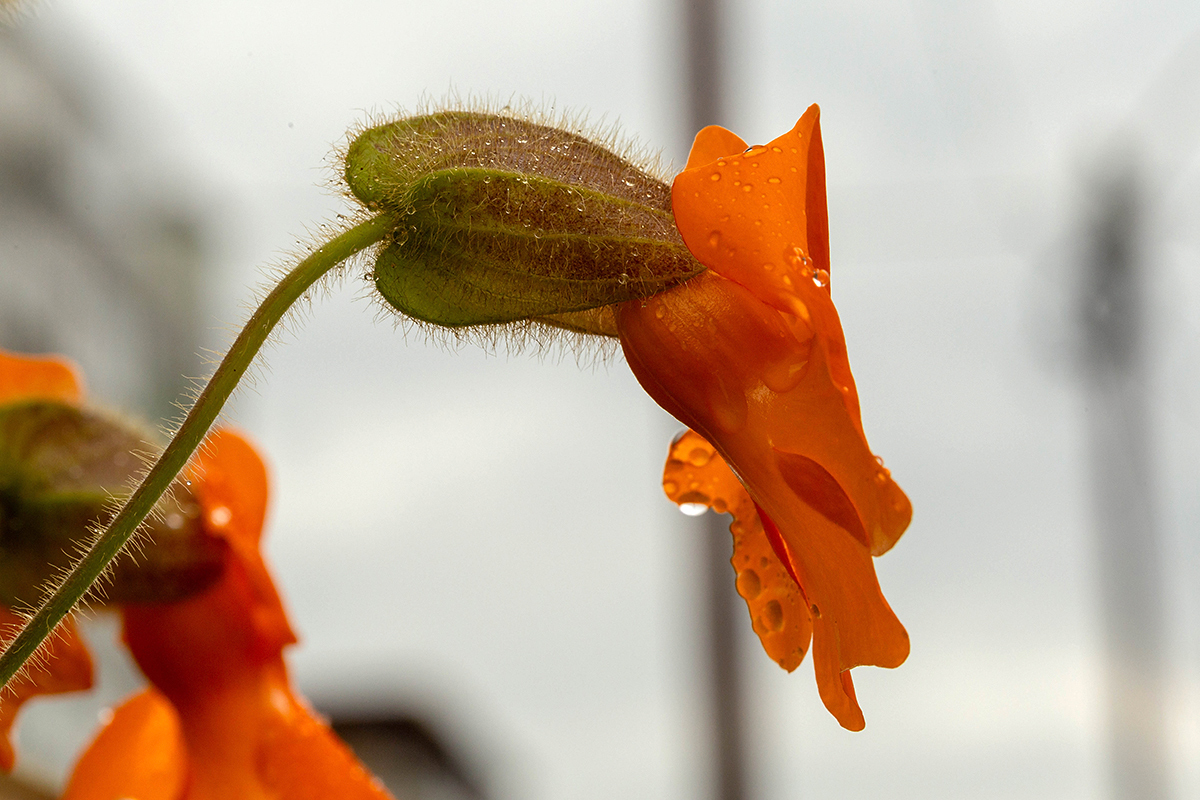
(218, 658)
(750, 355)
(696, 473)
(39, 378)
(139, 753)
(61, 664)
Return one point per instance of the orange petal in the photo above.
(231, 483)
(839, 581)
(756, 382)
(217, 658)
(831, 436)
(61, 664)
(300, 758)
(712, 143)
(232, 486)
(711, 342)
(252, 738)
(187, 646)
(758, 218)
(139, 754)
(696, 473)
(750, 354)
(39, 378)
(834, 684)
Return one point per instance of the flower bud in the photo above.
(60, 466)
(502, 219)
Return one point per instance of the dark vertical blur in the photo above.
(705, 72)
(1128, 541)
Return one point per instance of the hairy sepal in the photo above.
(503, 219)
(487, 247)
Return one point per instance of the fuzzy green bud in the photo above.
(60, 467)
(501, 219)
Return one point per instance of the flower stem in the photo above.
(193, 430)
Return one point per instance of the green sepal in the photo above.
(502, 220)
(487, 247)
(60, 469)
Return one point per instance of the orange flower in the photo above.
(222, 719)
(62, 664)
(750, 355)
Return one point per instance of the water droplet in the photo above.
(776, 149)
(783, 377)
(773, 616)
(693, 509)
(714, 238)
(174, 520)
(773, 179)
(748, 584)
(821, 278)
(764, 562)
(719, 505)
(747, 187)
(881, 477)
(879, 460)
(220, 516)
(659, 311)
(670, 487)
(816, 612)
(699, 456)
(716, 176)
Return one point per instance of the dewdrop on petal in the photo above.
(501, 220)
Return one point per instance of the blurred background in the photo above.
(494, 597)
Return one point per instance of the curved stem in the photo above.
(195, 426)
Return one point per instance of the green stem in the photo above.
(195, 426)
